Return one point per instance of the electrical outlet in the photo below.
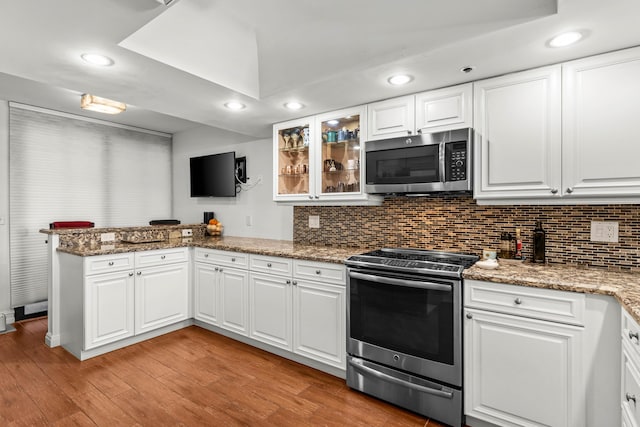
(107, 237)
(314, 221)
(248, 220)
(604, 231)
(187, 232)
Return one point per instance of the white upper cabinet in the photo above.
(601, 108)
(518, 135)
(431, 111)
(392, 117)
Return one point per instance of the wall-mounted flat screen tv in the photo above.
(213, 175)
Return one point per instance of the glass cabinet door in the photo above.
(293, 158)
(340, 153)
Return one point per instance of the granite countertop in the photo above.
(624, 286)
(280, 248)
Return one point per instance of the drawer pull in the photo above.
(206, 255)
(294, 283)
(518, 301)
(130, 274)
(233, 260)
(630, 397)
(633, 335)
(162, 257)
(288, 282)
(469, 316)
(318, 272)
(269, 264)
(217, 269)
(110, 262)
(139, 273)
(220, 270)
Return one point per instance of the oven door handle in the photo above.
(400, 282)
(385, 377)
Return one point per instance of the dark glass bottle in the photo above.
(539, 243)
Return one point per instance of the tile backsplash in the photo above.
(457, 223)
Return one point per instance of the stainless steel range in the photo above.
(404, 326)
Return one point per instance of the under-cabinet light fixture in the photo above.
(101, 105)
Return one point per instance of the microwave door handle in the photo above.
(441, 153)
(400, 282)
(394, 380)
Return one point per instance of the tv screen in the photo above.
(213, 175)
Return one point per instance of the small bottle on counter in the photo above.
(505, 246)
(518, 245)
(539, 243)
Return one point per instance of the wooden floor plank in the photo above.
(190, 377)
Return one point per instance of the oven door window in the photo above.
(414, 321)
(404, 165)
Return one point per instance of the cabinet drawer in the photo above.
(320, 271)
(270, 264)
(226, 258)
(160, 257)
(631, 333)
(108, 263)
(544, 304)
(630, 396)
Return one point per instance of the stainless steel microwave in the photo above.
(420, 164)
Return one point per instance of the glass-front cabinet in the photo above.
(323, 164)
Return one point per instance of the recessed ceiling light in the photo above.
(399, 79)
(97, 59)
(234, 105)
(467, 69)
(565, 39)
(293, 105)
(332, 122)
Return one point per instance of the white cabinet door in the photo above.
(522, 371)
(270, 306)
(108, 301)
(319, 322)
(630, 386)
(205, 286)
(234, 299)
(601, 107)
(391, 118)
(444, 109)
(518, 135)
(162, 296)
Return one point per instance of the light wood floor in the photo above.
(191, 377)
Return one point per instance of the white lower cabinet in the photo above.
(109, 308)
(270, 304)
(221, 289)
(161, 296)
(630, 377)
(522, 370)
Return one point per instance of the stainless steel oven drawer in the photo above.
(414, 393)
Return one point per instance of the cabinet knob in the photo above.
(419, 131)
(269, 264)
(318, 271)
(310, 197)
(162, 257)
(554, 191)
(409, 132)
(288, 282)
(139, 273)
(630, 397)
(569, 190)
(633, 335)
(206, 255)
(110, 262)
(316, 197)
(130, 274)
(221, 270)
(233, 260)
(294, 283)
(469, 316)
(518, 301)
(217, 269)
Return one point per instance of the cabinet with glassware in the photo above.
(317, 159)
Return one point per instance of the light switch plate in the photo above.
(187, 232)
(107, 237)
(314, 221)
(604, 231)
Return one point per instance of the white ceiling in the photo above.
(176, 66)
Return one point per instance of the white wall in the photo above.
(5, 287)
(269, 220)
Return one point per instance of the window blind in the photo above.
(64, 168)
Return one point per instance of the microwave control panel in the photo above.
(456, 161)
